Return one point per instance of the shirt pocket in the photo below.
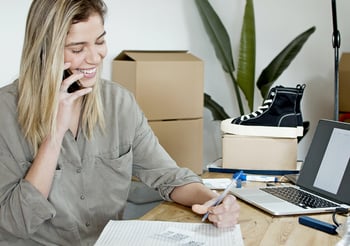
(112, 166)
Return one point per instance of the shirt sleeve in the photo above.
(153, 165)
(22, 207)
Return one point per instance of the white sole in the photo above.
(261, 131)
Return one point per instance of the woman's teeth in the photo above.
(89, 71)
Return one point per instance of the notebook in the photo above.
(324, 174)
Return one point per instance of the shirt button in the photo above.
(87, 224)
(79, 170)
(82, 197)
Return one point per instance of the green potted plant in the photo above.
(243, 78)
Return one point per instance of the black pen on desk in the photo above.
(223, 194)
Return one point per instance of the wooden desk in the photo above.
(258, 227)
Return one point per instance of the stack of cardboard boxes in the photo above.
(168, 86)
(344, 87)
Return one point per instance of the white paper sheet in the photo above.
(217, 183)
(161, 233)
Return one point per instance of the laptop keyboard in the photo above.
(299, 197)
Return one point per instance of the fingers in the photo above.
(199, 209)
(70, 80)
(226, 205)
(70, 97)
(203, 208)
(81, 92)
(224, 215)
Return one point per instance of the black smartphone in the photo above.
(73, 87)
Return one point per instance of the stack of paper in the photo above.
(138, 232)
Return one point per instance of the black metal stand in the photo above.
(336, 45)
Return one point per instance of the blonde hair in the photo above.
(42, 65)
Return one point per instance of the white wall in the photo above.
(175, 24)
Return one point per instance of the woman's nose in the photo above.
(93, 56)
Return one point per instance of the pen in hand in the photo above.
(223, 194)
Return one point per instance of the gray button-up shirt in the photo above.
(92, 179)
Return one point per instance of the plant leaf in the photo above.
(217, 34)
(217, 111)
(246, 63)
(281, 62)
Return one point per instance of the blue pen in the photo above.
(223, 194)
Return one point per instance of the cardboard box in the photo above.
(344, 83)
(166, 84)
(259, 153)
(183, 140)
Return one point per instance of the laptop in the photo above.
(325, 176)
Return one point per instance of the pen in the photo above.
(223, 194)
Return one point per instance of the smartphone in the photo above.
(73, 87)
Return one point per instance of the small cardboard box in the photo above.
(183, 140)
(167, 84)
(344, 83)
(259, 153)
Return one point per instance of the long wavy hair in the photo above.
(42, 65)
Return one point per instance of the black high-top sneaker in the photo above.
(278, 116)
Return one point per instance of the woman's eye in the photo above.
(101, 42)
(77, 51)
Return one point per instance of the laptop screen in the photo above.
(326, 169)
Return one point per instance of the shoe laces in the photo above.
(266, 104)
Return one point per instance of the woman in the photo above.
(67, 158)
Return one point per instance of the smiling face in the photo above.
(85, 48)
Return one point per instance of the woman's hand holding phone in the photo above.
(69, 104)
(75, 85)
(71, 82)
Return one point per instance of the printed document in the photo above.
(161, 233)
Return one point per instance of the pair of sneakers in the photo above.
(278, 116)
